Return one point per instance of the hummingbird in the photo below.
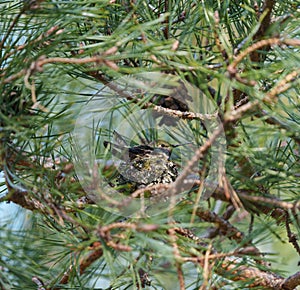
(143, 165)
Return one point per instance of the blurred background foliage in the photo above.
(56, 56)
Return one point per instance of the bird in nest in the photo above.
(142, 165)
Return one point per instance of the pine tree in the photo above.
(218, 81)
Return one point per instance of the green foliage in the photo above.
(56, 57)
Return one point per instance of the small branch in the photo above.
(291, 282)
(166, 28)
(18, 193)
(206, 268)
(279, 88)
(183, 115)
(224, 226)
(282, 86)
(270, 201)
(231, 265)
(138, 227)
(258, 277)
(55, 30)
(271, 41)
(37, 66)
(265, 24)
(255, 46)
(178, 258)
(83, 265)
(180, 183)
(173, 113)
(233, 270)
(105, 233)
(257, 56)
(218, 42)
(20, 196)
(292, 237)
(266, 205)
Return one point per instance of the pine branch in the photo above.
(55, 56)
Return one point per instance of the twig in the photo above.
(218, 43)
(166, 21)
(271, 41)
(173, 113)
(291, 282)
(206, 268)
(40, 62)
(183, 115)
(83, 265)
(178, 258)
(292, 237)
(224, 226)
(266, 205)
(231, 264)
(259, 278)
(180, 182)
(199, 194)
(53, 30)
(270, 201)
(240, 272)
(132, 226)
(105, 233)
(281, 86)
(267, 10)
(214, 255)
